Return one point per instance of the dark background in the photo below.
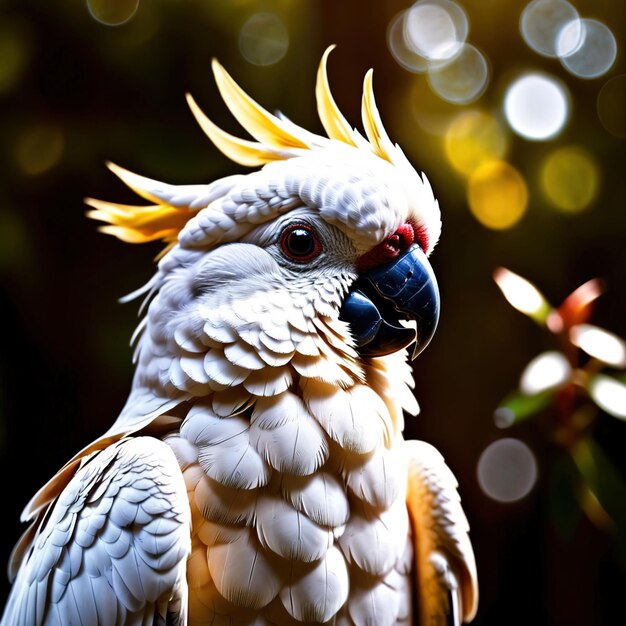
(94, 93)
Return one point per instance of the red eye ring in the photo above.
(300, 243)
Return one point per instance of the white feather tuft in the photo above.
(268, 382)
(243, 355)
(245, 573)
(316, 593)
(375, 605)
(386, 530)
(221, 504)
(230, 401)
(289, 533)
(320, 496)
(225, 451)
(221, 372)
(380, 479)
(356, 418)
(286, 436)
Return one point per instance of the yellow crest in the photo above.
(276, 138)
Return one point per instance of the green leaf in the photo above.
(563, 504)
(599, 344)
(609, 394)
(607, 487)
(522, 295)
(518, 406)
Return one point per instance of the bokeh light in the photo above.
(611, 105)
(14, 244)
(542, 22)
(431, 113)
(600, 344)
(595, 54)
(570, 39)
(464, 79)
(609, 394)
(507, 470)
(396, 42)
(546, 371)
(474, 138)
(430, 38)
(263, 39)
(520, 293)
(435, 29)
(112, 12)
(38, 149)
(570, 178)
(14, 53)
(537, 106)
(497, 195)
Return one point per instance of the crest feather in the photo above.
(277, 138)
(373, 125)
(242, 151)
(261, 124)
(333, 121)
(139, 184)
(138, 224)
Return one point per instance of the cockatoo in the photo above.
(258, 472)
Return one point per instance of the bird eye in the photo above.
(299, 243)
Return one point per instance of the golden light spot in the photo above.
(13, 239)
(473, 138)
(497, 195)
(14, 54)
(38, 149)
(570, 178)
(431, 113)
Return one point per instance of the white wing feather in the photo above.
(447, 584)
(113, 547)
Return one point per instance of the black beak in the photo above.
(406, 288)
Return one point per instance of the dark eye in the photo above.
(300, 243)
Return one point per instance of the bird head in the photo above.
(311, 265)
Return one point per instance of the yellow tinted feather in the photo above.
(139, 224)
(372, 123)
(261, 124)
(276, 139)
(333, 121)
(139, 184)
(242, 151)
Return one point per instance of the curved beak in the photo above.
(405, 289)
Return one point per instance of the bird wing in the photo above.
(445, 568)
(112, 548)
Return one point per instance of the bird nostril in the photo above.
(405, 236)
(394, 243)
(390, 248)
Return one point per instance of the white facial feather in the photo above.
(360, 193)
(245, 314)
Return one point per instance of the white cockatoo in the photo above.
(258, 472)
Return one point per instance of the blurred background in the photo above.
(516, 112)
